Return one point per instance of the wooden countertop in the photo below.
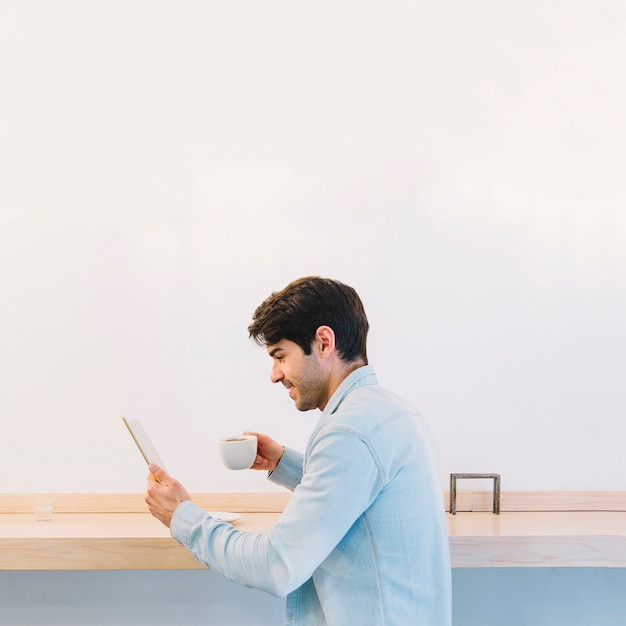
(94, 541)
(538, 539)
(83, 536)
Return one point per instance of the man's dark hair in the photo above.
(296, 312)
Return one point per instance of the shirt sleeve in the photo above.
(288, 472)
(340, 482)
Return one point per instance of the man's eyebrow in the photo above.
(275, 350)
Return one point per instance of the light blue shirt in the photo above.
(363, 539)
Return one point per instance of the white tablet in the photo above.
(139, 435)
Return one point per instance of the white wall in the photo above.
(165, 166)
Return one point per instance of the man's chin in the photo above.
(303, 407)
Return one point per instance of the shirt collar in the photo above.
(360, 377)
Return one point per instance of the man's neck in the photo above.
(340, 372)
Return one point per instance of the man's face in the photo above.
(303, 375)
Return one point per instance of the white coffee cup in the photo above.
(238, 451)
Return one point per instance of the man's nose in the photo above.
(276, 375)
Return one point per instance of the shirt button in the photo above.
(292, 618)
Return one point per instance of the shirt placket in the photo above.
(291, 609)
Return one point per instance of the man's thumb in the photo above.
(156, 471)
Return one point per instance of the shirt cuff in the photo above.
(288, 472)
(185, 517)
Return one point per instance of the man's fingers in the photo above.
(158, 474)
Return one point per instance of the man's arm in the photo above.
(341, 481)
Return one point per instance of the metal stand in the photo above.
(496, 490)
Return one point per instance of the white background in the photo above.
(165, 166)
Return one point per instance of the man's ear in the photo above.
(325, 341)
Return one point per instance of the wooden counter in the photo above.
(538, 539)
(100, 541)
(112, 531)
(85, 535)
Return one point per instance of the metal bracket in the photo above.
(496, 490)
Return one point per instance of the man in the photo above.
(363, 540)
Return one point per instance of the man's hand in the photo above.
(164, 494)
(268, 453)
